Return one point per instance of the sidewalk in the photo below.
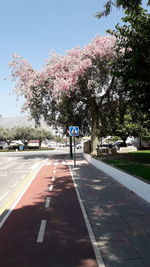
(119, 218)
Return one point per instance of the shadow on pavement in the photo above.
(120, 219)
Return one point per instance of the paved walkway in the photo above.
(119, 218)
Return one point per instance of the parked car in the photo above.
(105, 145)
(15, 144)
(33, 144)
(79, 146)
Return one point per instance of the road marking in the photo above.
(41, 232)
(53, 179)
(34, 166)
(3, 174)
(5, 161)
(56, 163)
(21, 166)
(47, 203)
(16, 196)
(51, 187)
(14, 185)
(4, 195)
(18, 171)
(8, 166)
(22, 177)
(88, 225)
(49, 163)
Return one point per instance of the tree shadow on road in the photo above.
(66, 242)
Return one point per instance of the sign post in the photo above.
(74, 131)
(74, 151)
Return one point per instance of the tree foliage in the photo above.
(70, 86)
(24, 134)
(129, 5)
(132, 63)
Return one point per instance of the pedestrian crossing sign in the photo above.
(74, 131)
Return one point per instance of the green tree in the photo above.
(133, 58)
(41, 134)
(4, 134)
(28, 133)
(22, 133)
(129, 5)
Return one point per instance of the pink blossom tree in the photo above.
(84, 72)
(87, 72)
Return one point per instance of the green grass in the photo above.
(137, 163)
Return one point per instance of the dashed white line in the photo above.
(53, 179)
(34, 166)
(47, 203)
(20, 166)
(3, 174)
(4, 195)
(8, 166)
(22, 177)
(14, 185)
(41, 231)
(51, 188)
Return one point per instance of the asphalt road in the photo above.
(46, 227)
(16, 170)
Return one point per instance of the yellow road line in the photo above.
(18, 191)
(13, 197)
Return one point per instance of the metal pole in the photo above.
(74, 151)
(70, 139)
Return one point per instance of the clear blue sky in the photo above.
(32, 28)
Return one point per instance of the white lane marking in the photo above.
(22, 177)
(51, 187)
(41, 232)
(54, 171)
(3, 174)
(8, 166)
(34, 166)
(47, 203)
(20, 166)
(18, 171)
(5, 161)
(4, 195)
(53, 179)
(49, 163)
(56, 163)
(88, 225)
(14, 185)
(20, 196)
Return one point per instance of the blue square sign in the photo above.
(74, 131)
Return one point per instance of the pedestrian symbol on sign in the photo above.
(74, 131)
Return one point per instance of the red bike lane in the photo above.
(47, 227)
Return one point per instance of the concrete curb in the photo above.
(137, 186)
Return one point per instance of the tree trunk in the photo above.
(95, 127)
